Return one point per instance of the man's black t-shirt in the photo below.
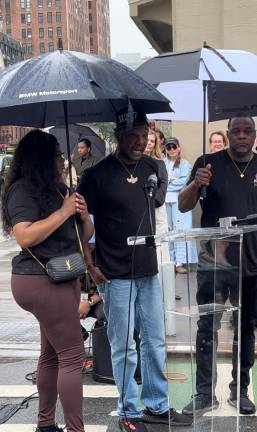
(231, 195)
(23, 206)
(118, 208)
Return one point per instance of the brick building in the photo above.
(39, 23)
(99, 27)
(83, 25)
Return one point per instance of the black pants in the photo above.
(226, 287)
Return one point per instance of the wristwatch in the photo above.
(91, 303)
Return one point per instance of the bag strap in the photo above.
(78, 236)
(77, 230)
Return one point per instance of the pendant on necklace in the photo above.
(242, 175)
(132, 179)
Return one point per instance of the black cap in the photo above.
(129, 119)
(171, 141)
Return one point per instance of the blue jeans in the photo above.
(147, 316)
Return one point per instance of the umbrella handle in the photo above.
(203, 191)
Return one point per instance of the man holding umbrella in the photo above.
(117, 193)
(230, 177)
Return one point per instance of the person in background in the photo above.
(160, 141)
(128, 278)
(85, 159)
(152, 150)
(178, 173)
(37, 208)
(217, 141)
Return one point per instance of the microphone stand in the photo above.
(150, 240)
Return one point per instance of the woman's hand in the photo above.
(81, 207)
(69, 205)
(75, 203)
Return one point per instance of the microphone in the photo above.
(151, 184)
(228, 222)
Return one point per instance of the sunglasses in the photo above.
(171, 147)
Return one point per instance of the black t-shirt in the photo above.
(23, 205)
(118, 208)
(231, 195)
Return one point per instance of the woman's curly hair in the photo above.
(35, 161)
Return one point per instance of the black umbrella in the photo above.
(65, 87)
(76, 132)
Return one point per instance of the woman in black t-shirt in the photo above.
(37, 208)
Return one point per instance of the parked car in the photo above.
(5, 160)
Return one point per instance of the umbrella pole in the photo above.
(204, 188)
(65, 108)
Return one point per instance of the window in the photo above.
(49, 17)
(40, 18)
(23, 33)
(23, 18)
(29, 33)
(8, 19)
(28, 4)
(50, 32)
(58, 17)
(57, 3)
(59, 32)
(41, 32)
(29, 48)
(51, 46)
(23, 4)
(90, 17)
(40, 3)
(42, 47)
(49, 3)
(28, 18)
(89, 4)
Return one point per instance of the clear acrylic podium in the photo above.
(207, 322)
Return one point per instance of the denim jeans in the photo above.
(147, 316)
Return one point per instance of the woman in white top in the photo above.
(178, 173)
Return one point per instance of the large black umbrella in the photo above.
(76, 132)
(65, 87)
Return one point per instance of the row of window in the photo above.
(28, 48)
(26, 33)
(26, 18)
(26, 4)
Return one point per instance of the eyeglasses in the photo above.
(171, 147)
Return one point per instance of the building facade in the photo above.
(10, 52)
(177, 25)
(99, 27)
(38, 24)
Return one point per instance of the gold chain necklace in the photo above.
(131, 179)
(241, 173)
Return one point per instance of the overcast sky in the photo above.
(125, 36)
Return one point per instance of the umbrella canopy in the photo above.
(230, 77)
(76, 132)
(94, 88)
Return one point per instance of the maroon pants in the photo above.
(59, 368)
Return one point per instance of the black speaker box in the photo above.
(102, 365)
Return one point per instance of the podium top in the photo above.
(218, 233)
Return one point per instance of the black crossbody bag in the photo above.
(67, 267)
